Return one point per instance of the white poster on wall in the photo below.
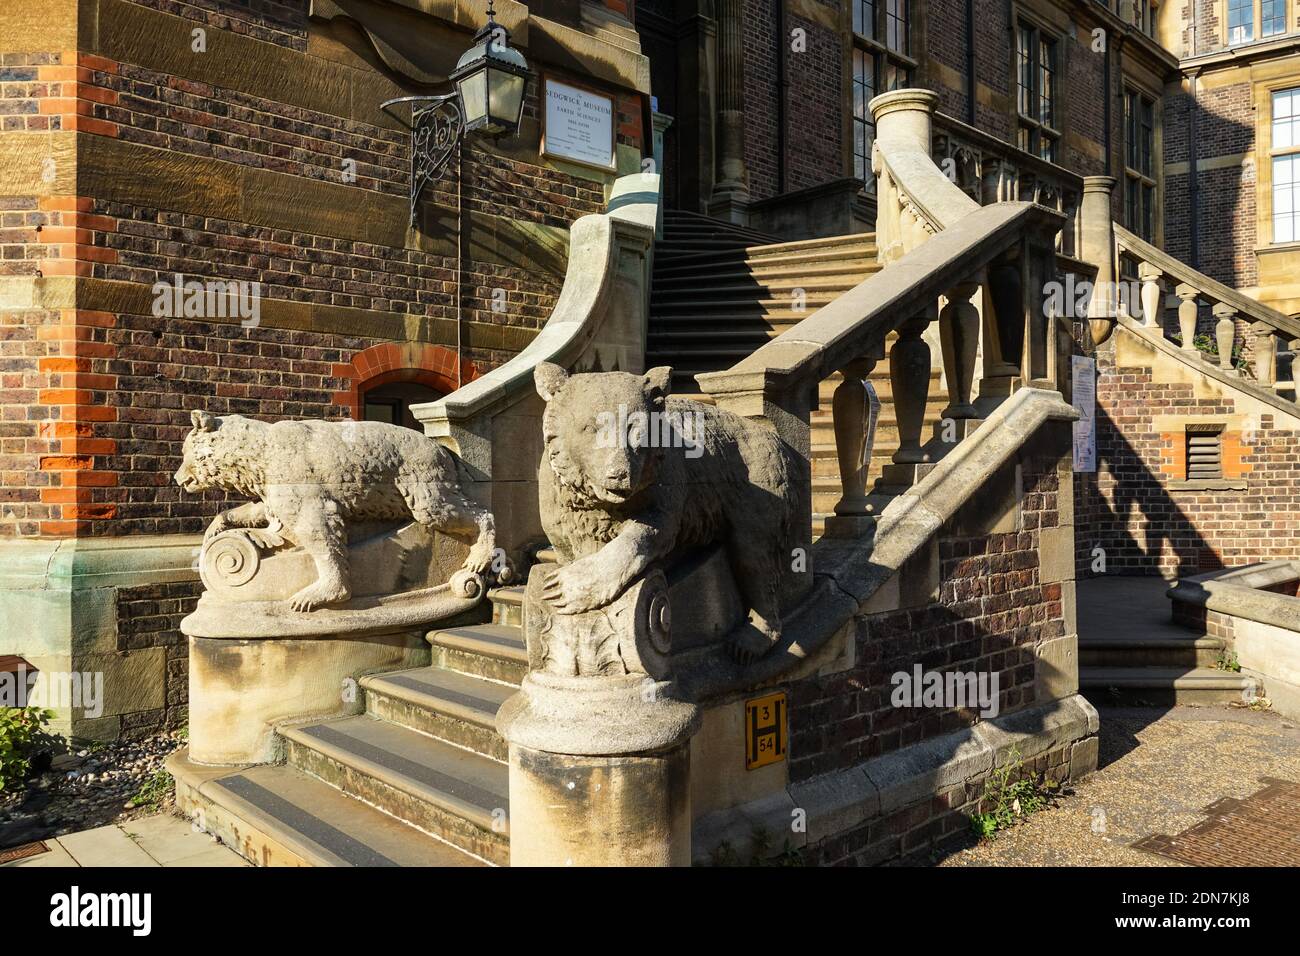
(579, 125)
(1083, 372)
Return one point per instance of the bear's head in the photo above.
(218, 453)
(598, 430)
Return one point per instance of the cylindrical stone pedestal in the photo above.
(599, 772)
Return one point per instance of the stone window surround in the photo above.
(1256, 22)
(1264, 132)
(1148, 179)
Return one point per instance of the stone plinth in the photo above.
(599, 772)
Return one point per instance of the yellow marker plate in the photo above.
(765, 732)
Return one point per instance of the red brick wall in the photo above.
(1225, 126)
(94, 405)
(991, 613)
(283, 22)
(814, 102)
(814, 106)
(761, 109)
(1144, 523)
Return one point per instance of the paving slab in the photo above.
(105, 846)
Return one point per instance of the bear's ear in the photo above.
(657, 382)
(203, 421)
(549, 378)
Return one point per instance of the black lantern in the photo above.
(490, 81)
(491, 77)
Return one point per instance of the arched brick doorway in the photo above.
(383, 381)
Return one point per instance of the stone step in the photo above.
(455, 794)
(809, 265)
(745, 315)
(744, 283)
(508, 605)
(705, 244)
(739, 304)
(1163, 686)
(678, 232)
(453, 707)
(821, 244)
(492, 651)
(825, 462)
(278, 815)
(1118, 651)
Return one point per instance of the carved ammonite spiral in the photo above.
(660, 622)
(467, 584)
(229, 560)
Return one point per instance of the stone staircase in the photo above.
(1132, 654)
(419, 778)
(721, 291)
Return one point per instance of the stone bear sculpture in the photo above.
(313, 477)
(630, 477)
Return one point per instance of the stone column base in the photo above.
(599, 772)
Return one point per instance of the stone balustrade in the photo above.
(996, 252)
(990, 170)
(1253, 343)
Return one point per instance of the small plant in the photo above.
(154, 791)
(1209, 346)
(724, 854)
(22, 729)
(1011, 795)
(1227, 661)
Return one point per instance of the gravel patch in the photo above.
(89, 788)
(1159, 770)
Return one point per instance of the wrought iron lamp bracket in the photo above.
(436, 126)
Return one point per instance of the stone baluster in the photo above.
(856, 410)
(1152, 294)
(1097, 246)
(1264, 348)
(909, 378)
(1225, 331)
(959, 329)
(1187, 315)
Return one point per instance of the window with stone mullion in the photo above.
(1139, 164)
(881, 48)
(1037, 68)
(1286, 165)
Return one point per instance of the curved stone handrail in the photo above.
(1143, 251)
(914, 198)
(575, 323)
(598, 323)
